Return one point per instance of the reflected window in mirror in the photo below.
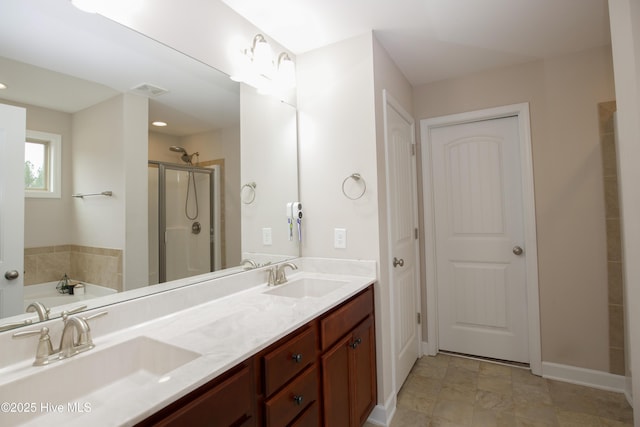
(42, 164)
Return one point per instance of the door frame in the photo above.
(388, 101)
(521, 111)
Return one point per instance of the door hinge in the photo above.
(418, 318)
(413, 149)
(415, 232)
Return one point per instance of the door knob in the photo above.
(11, 275)
(518, 250)
(398, 262)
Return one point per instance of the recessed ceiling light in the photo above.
(3, 86)
(159, 124)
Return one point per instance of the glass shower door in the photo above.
(185, 226)
(187, 223)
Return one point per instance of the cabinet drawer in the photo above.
(229, 403)
(292, 400)
(309, 418)
(345, 318)
(288, 360)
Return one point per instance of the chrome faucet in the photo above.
(281, 276)
(70, 346)
(76, 338)
(252, 264)
(38, 307)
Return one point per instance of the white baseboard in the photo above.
(587, 377)
(382, 415)
(428, 350)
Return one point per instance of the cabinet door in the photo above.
(363, 370)
(336, 384)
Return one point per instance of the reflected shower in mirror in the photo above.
(99, 86)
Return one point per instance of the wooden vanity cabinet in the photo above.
(348, 363)
(228, 400)
(323, 373)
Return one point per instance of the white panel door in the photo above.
(12, 137)
(403, 250)
(481, 276)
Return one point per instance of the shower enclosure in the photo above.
(184, 219)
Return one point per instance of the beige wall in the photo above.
(563, 94)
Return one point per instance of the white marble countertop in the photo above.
(222, 332)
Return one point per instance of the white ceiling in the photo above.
(52, 55)
(432, 40)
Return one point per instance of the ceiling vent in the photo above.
(149, 90)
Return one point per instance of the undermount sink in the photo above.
(306, 287)
(94, 377)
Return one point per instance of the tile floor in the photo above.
(449, 391)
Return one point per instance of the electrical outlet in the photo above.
(267, 236)
(340, 238)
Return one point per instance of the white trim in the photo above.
(586, 377)
(389, 101)
(521, 111)
(382, 415)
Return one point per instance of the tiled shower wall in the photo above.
(99, 266)
(614, 247)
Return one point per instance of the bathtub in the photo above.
(47, 294)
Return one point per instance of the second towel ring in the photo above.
(252, 187)
(357, 178)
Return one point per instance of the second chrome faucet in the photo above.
(277, 275)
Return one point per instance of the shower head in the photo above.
(177, 149)
(186, 157)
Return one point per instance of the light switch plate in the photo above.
(340, 238)
(267, 236)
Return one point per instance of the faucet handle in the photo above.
(74, 310)
(45, 348)
(86, 338)
(271, 276)
(93, 316)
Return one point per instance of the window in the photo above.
(42, 163)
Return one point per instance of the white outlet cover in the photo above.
(267, 236)
(340, 238)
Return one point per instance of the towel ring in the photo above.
(252, 187)
(357, 178)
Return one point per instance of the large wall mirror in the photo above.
(137, 208)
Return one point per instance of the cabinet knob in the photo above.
(298, 399)
(356, 343)
(297, 357)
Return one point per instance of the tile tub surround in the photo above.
(606, 112)
(453, 391)
(88, 264)
(226, 320)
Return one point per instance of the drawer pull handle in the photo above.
(298, 400)
(297, 358)
(356, 343)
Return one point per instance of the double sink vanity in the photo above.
(230, 351)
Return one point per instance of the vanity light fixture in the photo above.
(257, 67)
